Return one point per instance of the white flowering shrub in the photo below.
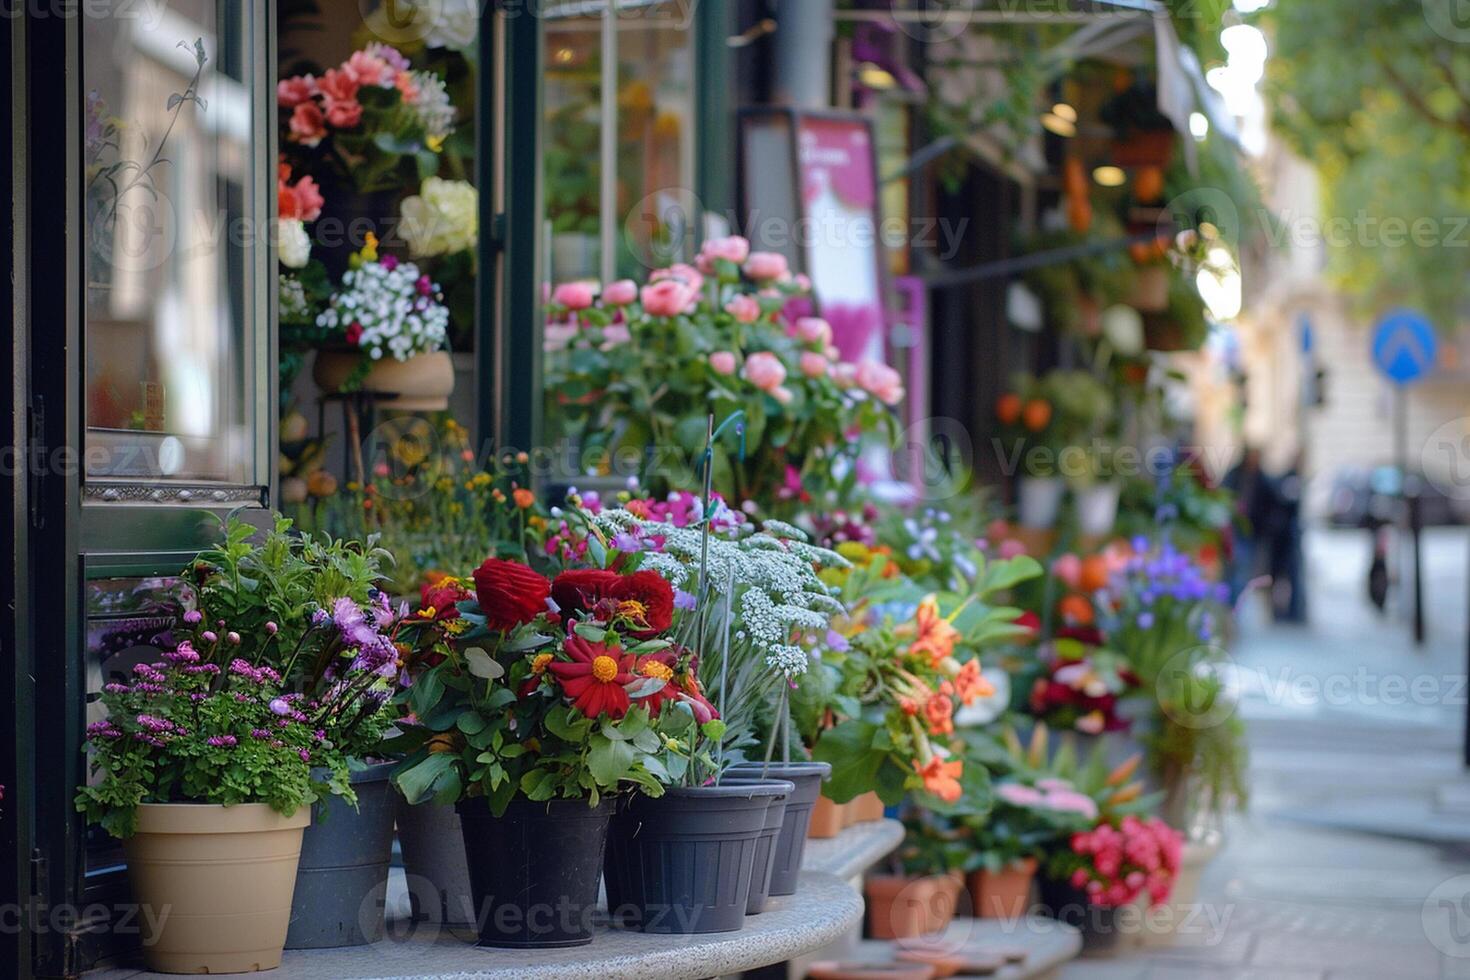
(388, 308)
(442, 218)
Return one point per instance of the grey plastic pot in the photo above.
(807, 777)
(434, 863)
(763, 860)
(342, 880)
(682, 863)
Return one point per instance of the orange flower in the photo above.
(908, 706)
(934, 636)
(971, 684)
(939, 712)
(1076, 610)
(523, 498)
(942, 778)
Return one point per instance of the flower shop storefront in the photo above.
(442, 547)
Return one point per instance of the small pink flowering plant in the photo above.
(634, 373)
(1114, 864)
(373, 119)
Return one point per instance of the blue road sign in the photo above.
(1404, 346)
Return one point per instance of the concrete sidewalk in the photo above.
(1353, 862)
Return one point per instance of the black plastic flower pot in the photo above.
(342, 879)
(807, 777)
(1104, 930)
(763, 859)
(534, 870)
(683, 862)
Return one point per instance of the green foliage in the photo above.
(1379, 100)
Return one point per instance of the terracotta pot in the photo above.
(835, 970)
(867, 808)
(225, 876)
(422, 383)
(1150, 290)
(900, 907)
(827, 819)
(944, 963)
(1003, 894)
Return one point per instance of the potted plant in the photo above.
(203, 766)
(1026, 419)
(754, 604)
(921, 891)
(737, 323)
(387, 330)
(534, 715)
(309, 611)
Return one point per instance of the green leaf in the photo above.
(481, 664)
(609, 761)
(848, 748)
(417, 783)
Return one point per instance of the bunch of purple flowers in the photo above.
(1163, 603)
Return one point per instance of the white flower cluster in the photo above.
(291, 299)
(774, 576)
(432, 105)
(395, 308)
(443, 217)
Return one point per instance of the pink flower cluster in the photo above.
(1056, 795)
(331, 100)
(1123, 862)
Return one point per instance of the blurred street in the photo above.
(1353, 861)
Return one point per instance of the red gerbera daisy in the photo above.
(657, 666)
(595, 678)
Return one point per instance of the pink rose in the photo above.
(667, 297)
(764, 266)
(620, 293)
(339, 86)
(880, 381)
(291, 92)
(574, 295)
(344, 115)
(814, 365)
(731, 248)
(369, 69)
(307, 125)
(744, 308)
(803, 282)
(782, 394)
(1011, 548)
(723, 362)
(814, 330)
(1068, 568)
(845, 374)
(765, 370)
(681, 271)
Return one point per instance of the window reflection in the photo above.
(573, 136)
(168, 162)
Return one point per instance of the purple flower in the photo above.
(209, 636)
(271, 628)
(233, 637)
(279, 706)
(1145, 620)
(684, 600)
(305, 755)
(193, 617)
(836, 641)
(222, 741)
(320, 617)
(627, 541)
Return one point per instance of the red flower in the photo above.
(577, 591)
(509, 593)
(646, 599)
(438, 601)
(595, 678)
(354, 332)
(658, 666)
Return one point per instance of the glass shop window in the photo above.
(169, 285)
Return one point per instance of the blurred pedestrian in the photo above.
(1255, 502)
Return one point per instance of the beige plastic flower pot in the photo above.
(218, 881)
(423, 383)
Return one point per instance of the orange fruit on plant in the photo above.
(1008, 408)
(1094, 574)
(1036, 414)
(1076, 609)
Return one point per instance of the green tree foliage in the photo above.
(1377, 96)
